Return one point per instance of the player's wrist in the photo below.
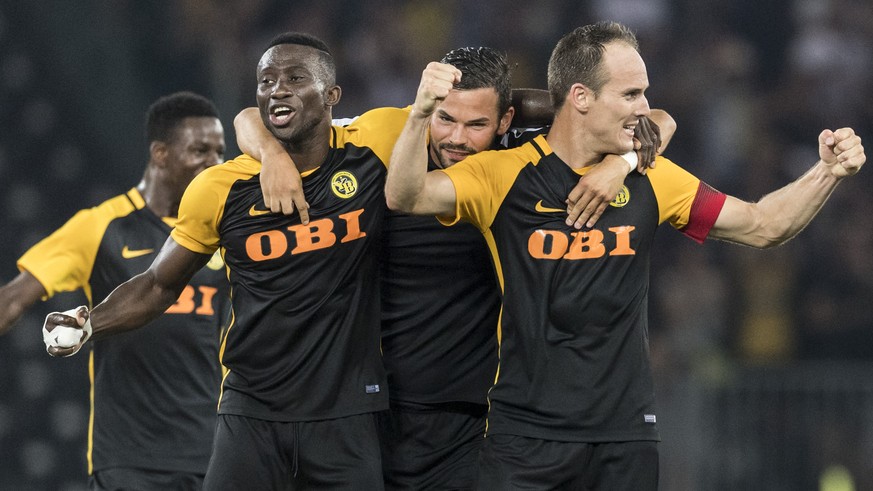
(419, 114)
(632, 160)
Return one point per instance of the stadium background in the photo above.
(763, 358)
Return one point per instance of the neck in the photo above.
(310, 150)
(159, 199)
(568, 141)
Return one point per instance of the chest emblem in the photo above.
(622, 198)
(344, 184)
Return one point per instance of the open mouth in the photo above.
(281, 115)
(630, 128)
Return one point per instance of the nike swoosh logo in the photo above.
(127, 253)
(542, 209)
(255, 213)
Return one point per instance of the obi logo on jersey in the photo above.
(344, 184)
(557, 244)
(319, 234)
(188, 301)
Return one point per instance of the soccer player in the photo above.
(440, 298)
(154, 391)
(572, 406)
(304, 373)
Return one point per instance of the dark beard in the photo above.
(447, 146)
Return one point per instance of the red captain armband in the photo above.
(705, 208)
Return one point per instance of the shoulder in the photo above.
(222, 176)
(374, 123)
(666, 172)
(115, 207)
(377, 129)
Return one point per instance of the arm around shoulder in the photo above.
(666, 125)
(280, 180)
(533, 107)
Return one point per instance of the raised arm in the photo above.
(17, 297)
(280, 181)
(409, 187)
(135, 302)
(782, 214)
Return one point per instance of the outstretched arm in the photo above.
(136, 301)
(409, 187)
(280, 180)
(17, 297)
(782, 214)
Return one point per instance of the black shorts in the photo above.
(516, 462)
(334, 454)
(431, 446)
(127, 478)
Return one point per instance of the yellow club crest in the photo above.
(344, 184)
(622, 198)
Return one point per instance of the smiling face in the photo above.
(466, 122)
(293, 96)
(615, 111)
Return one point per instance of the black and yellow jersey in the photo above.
(304, 341)
(153, 390)
(440, 302)
(574, 361)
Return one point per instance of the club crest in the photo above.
(344, 184)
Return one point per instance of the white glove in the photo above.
(68, 337)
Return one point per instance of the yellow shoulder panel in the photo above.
(202, 205)
(63, 261)
(377, 130)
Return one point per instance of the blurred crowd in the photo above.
(751, 83)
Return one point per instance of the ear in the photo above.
(158, 153)
(580, 96)
(505, 121)
(332, 96)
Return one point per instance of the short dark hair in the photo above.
(328, 66)
(578, 57)
(483, 68)
(166, 113)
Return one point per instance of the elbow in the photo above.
(396, 202)
(768, 243)
(244, 116)
(391, 202)
(398, 195)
